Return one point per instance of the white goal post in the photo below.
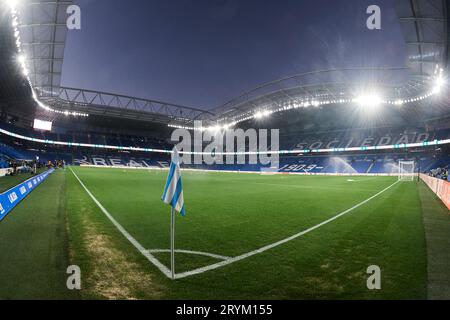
(406, 170)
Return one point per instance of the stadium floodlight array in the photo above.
(271, 152)
(406, 170)
(370, 99)
(22, 60)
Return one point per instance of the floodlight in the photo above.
(21, 58)
(214, 128)
(12, 3)
(259, 115)
(262, 114)
(439, 83)
(369, 100)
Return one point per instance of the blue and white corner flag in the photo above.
(173, 191)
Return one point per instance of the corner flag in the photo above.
(173, 191)
(173, 195)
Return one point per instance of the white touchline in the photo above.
(226, 260)
(133, 241)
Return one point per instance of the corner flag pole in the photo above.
(172, 242)
(173, 195)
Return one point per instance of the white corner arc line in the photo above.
(278, 243)
(228, 260)
(122, 230)
(199, 253)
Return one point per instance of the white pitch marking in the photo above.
(276, 244)
(364, 179)
(229, 260)
(206, 254)
(130, 238)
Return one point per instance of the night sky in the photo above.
(202, 53)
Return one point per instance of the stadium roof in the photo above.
(42, 29)
(424, 25)
(114, 105)
(43, 32)
(425, 28)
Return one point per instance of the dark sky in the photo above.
(202, 53)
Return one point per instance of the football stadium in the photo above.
(271, 179)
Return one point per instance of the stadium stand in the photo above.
(381, 162)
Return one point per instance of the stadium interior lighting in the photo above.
(262, 114)
(214, 128)
(21, 58)
(12, 3)
(439, 83)
(258, 115)
(369, 100)
(22, 61)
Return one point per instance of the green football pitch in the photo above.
(244, 236)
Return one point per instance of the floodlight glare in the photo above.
(370, 100)
(12, 3)
(262, 114)
(258, 115)
(438, 84)
(21, 59)
(214, 128)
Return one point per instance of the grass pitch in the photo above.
(231, 214)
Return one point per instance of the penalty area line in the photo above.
(122, 230)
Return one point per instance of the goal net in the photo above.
(406, 170)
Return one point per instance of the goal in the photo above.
(406, 170)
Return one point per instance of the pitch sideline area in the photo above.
(226, 260)
(284, 205)
(242, 213)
